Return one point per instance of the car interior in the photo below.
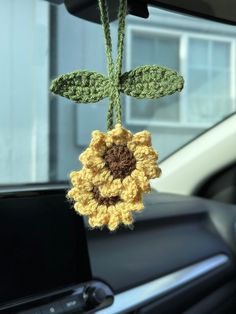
(180, 254)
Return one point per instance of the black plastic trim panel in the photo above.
(171, 233)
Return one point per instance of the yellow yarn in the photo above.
(118, 197)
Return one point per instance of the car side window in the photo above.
(42, 134)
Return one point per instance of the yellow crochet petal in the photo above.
(143, 138)
(89, 209)
(71, 194)
(140, 138)
(110, 189)
(93, 176)
(101, 177)
(100, 218)
(124, 214)
(136, 205)
(79, 195)
(76, 178)
(98, 142)
(94, 222)
(114, 221)
(91, 160)
(84, 198)
(81, 180)
(127, 218)
(150, 169)
(145, 153)
(119, 135)
(139, 206)
(129, 190)
(98, 138)
(141, 180)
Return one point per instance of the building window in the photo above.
(209, 76)
(206, 62)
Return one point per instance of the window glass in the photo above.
(151, 48)
(41, 135)
(209, 76)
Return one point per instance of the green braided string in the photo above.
(121, 36)
(108, 48)
(110, 116)
(114, 70)
(107, 34)
(120, 49)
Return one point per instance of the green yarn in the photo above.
(107, 34)
(81, 86)
(114, 68)
(108, 48)
(149, 81)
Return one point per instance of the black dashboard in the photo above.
(173, 232)
(44, 264)
(179, 247)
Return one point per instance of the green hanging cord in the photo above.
(108, 48)
(120, 49)
(107, 35)
(114, 71)
(121, 36)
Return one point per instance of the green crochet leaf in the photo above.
(81, 86)
(151, 82)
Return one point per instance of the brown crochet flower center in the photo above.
(120, 161)
(104, 200)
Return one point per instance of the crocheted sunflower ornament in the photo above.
(117, 165)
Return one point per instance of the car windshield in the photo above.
(41, 135)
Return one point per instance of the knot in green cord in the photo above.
(113, 86)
